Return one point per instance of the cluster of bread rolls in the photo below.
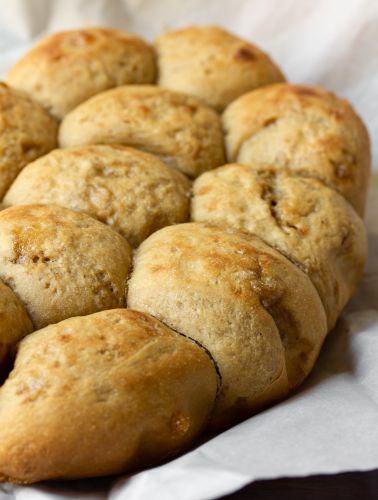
(162, 291)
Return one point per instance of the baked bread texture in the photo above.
(133, 192)
(113, 391)
(305, 220)
(210, 63)
(182, 131)
(67, 68)
(305, 129)
(14, 324)
(257, 313)
(151, 328)
(27, 131)
(62, 263)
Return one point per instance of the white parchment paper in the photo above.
(330, 425)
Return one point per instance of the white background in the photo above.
(330, 425)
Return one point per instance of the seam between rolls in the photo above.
(207, 351)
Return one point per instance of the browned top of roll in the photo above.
(112, 391)
(181, 130)
(66, 68)
(27, 131)
(305, 129)
(62, 263)
(210, 63)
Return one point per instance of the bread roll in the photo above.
(183, 132)
(257, 313)
(212, 64)
(133, 192)
(27, 131)
(14, 323)
(62, 263)
(102, 394)
(308, 222)
(305, 129)
(227, 314)
(67, 68)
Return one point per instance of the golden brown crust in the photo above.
(102, 394)
(305, 129)
(27, 131)
(212, 64)
(61, 263)
(14, 323)
(133, 192)
(302, 218)
(255, 311)
(245, 293)
(182, 131)
(67, 68)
